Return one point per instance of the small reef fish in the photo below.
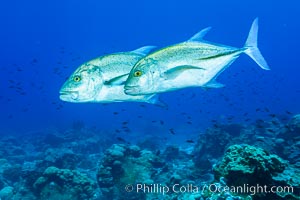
(102, 79)
(194, 63)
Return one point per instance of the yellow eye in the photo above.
(77, 78)
(137, 73)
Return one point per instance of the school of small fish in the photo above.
(139, 75)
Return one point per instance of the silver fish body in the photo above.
(194, 63)
(102, 80)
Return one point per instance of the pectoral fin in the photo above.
(176, 71)
(119, 80)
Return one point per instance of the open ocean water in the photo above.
(241, 141)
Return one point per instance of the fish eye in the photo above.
(77, 78)
(137, 73)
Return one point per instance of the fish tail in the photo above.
(251, 48)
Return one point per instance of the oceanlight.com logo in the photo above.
(212, 188)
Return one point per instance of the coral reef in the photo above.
(63, 152)
(123, 165)
(6, 193)
(205, 151)
(251, 166)
(64, 184)
(245, 164)
(81, 163)
(288, 141)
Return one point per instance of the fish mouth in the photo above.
(131, 90)
(67, 95)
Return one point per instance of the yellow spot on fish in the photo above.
(77, 78)
(137, 73)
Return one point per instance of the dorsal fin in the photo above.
(199, 36)
(144, 50)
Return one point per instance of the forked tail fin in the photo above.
(251, 48)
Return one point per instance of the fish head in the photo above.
(141, 79)
(83, 85)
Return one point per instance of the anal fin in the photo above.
(213, 84)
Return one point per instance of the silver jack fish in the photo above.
(102, 79)
(194, 63)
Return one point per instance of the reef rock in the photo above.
(64, 184)
(289, 148)
(6, 193)
(125, 165)
(205, 150)
(245, 164)
(62, 158)
(251, 166)
(295, 123)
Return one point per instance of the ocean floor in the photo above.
(228, 161)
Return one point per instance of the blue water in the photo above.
(44, 42)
